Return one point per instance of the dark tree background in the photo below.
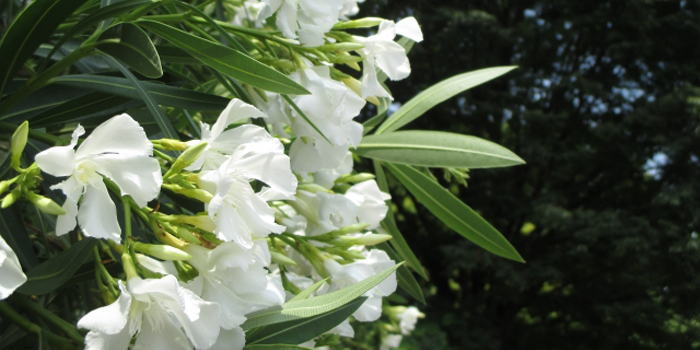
(606, 212)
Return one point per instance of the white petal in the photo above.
(230, 226)
(10, 270)
(409, 28)
(232, 307)
(120, 134)
(370, 85)
(73, 191)
(393, 61)
(110, 319)
(230, 339)
(136, 175)
(344, 329)
(370, 310)
(202, 319)
(97, 214)
(167, 336)
(103, 341)
(234, 111)
(59, 161)
(287, 19)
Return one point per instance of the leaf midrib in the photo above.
(373, 145)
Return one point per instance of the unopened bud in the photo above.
(202, 222)
(185, 271)
(313, 188)
(19, 140)
(11, 197)
(5, 185)
(187, 235)
(355, 178)
(170, 144)
(163, 252)
(186, 159)
(345, 46)
(365, 239)
(359, 23)
(346, 59)
(129, 267)
(354, 228)
(44, 204)
(282, 259)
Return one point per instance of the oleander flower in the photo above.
(381, 51)
(370, 202)
(159, 312)
(408, 318)
(307, 20)
(117, 149)
(391, 341)
(11, 275)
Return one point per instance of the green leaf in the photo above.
(174, 54)
(31, 28)
(161, 118)
(436, 149)
(131, 45)
(305, 329)
(14, 233)
(102, 14)
(231, 40)
(404, 277)
(308, 291)
(76, 108)
(227, 61)
(293, 310)
(389, 225)
(51, 274)
(437, 93)
(42, 100)
(455, 214)
(165, 95)
(274, 347)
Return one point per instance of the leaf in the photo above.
(76, 108)
(305, 329)
(227, 61)
(131, 45)
(31, 28)
(436, 149)
(14, 233)
(165, 95)
(53, 273)
(455, 214)
(389, 225)
(274, 347)
(42, 100)
(102, 14)
(173, 54)
(437, 93)
(404, 277)
(308, 291)
(231, 40)
(317, 305)
(161, 118)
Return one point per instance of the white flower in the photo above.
(346, 275)
(391, 341)
(381, 51)
(331, 107)
(117, 149)
(11, 275)
(248, 12)
(223, 142)
(326, 212)
(306, 19)
(350, 8)
(370, 201)
(236, 279)
(163, 314)
(326, 177)
(408, 318)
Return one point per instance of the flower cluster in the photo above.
(278, 206)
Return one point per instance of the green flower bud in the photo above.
(355, 178)
(170, 145)
(313, 188)
(359, 23)
(200, 221)
(129, 266)
(44, 204)
(372, 239)
(186, 159)
(356, 86)
(163, 252)
(282, 259)
(11, 197)
(185, 271)
(5, 185)
(19, 140)
(346, 46)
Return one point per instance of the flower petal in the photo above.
(110, 319)
(60, 160)
(73, 191)
(136, 175)
(120, 134)
(234, 111)
(230, 339)
(97, 214)
(10, 270)
(409, 28)
(199, 319)
(393, 61)
(165, 336)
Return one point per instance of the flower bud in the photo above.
(5, 185)
(129, 267)
(354, 228)
(345, 46)
(44, 204)
(11, 197)
(170, 145)
(19, 140)
(282, 259)
(186, 159)
(365, 239)
(185, 271)
(200, 221)
(313, 188)
(163, 252)
(355, 178)
(356, 86)
(359, 23)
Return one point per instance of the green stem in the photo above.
(42, 79)
(37, 135)
(33, 328)
(62, 324)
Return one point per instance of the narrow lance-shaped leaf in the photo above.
(317, 305)
(87, 104)
(164, 94)
(274, 347)
(455, 214)
(131, 45)
(438, 93)
(226, 60)
(31, 28)
(308, 291)
(52, 273)
(436, 149)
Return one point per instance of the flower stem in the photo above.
(62, 324)
(33, 328)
